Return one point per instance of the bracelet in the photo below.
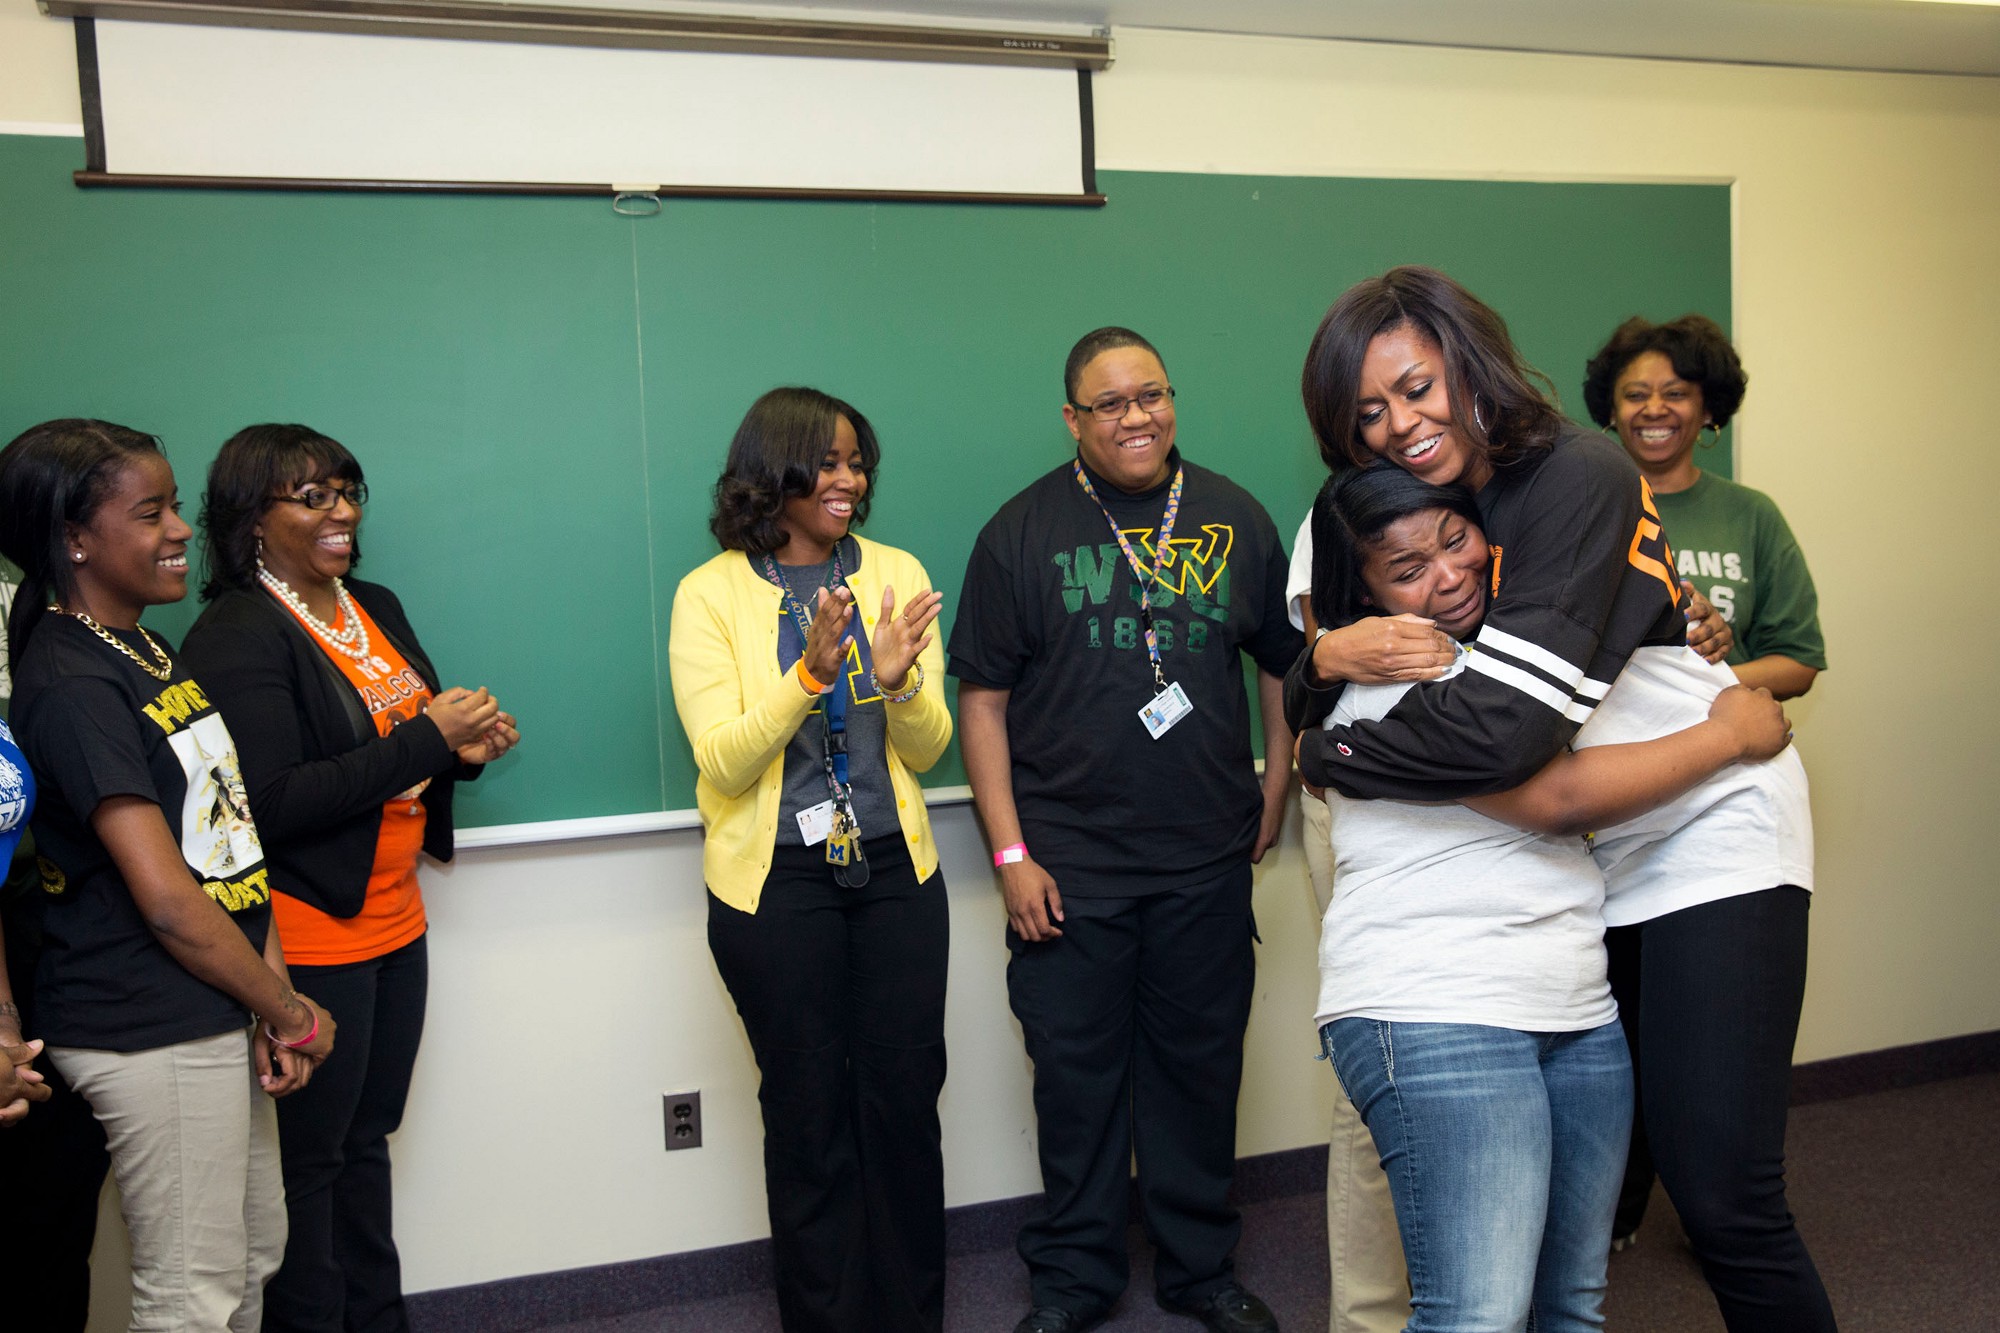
(1011, 854)
(806, 679)
(303, 1042)
(909, 691)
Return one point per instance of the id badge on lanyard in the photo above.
(1171, 704)
(832, 819)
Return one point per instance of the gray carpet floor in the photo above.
(1897, 1193)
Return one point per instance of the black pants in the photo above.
(1134, 1018)
(842, 995)
(54, 1163)
(341, 1272)
(1710, 998)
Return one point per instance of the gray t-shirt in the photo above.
(867, 719)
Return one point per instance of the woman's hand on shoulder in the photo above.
(1755, 719)
(1382, 650)
(463, 716)
(1708, 633)
(900, 637)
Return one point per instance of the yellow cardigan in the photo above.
(739, 711)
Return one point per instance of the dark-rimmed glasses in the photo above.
(328, 497)
(1114, 409)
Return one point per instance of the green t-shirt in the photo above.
(1735, 547)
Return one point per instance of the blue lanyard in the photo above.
(833, 704)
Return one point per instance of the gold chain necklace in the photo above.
(163, 671)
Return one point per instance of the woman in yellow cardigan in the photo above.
(812, 697)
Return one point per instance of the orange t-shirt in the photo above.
(393, 913)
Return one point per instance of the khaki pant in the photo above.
(194, 1147)
(1370, 1289)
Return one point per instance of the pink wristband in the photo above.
(1008, 855)
(302, 1042)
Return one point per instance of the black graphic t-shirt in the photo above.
(1050, 611)
(95, 726)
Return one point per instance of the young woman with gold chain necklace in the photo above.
(159, 947)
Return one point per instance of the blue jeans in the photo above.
(1504, 1151)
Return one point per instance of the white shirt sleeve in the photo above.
(1299, 582)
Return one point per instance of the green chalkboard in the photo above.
(542, 390)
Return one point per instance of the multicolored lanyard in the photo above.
(1162, 553)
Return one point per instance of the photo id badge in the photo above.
(1166, 708)
(815, 822)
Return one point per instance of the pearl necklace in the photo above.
(350, 642)
(163, 671)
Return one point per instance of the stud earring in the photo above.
(76, 556)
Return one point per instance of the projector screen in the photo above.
(200, 101)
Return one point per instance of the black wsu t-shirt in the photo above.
(95, 726)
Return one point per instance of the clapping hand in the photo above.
(900, 638)
(823, 651)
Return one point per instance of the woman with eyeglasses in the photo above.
(351, 752)
(812, 691)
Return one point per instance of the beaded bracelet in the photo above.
(909, 693)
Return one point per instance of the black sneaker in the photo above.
(1227, 1309)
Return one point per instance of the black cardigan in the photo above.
(318, 772)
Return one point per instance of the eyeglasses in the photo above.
(327, 497)
(1114, 409)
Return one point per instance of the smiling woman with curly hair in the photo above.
(812, 698)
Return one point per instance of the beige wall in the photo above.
(572, 984)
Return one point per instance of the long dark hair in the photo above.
(1350, 514)
(51, 476)
(776, 454)
(257, 464)
(1513, 418)
(1696, 345)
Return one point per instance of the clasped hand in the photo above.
(473, 724)
(20, 1082)
(282, 1070)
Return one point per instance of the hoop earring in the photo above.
(1710, 435)
(1477, 419)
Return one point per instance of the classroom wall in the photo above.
(571, 981)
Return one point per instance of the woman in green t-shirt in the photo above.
(1658, 387)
